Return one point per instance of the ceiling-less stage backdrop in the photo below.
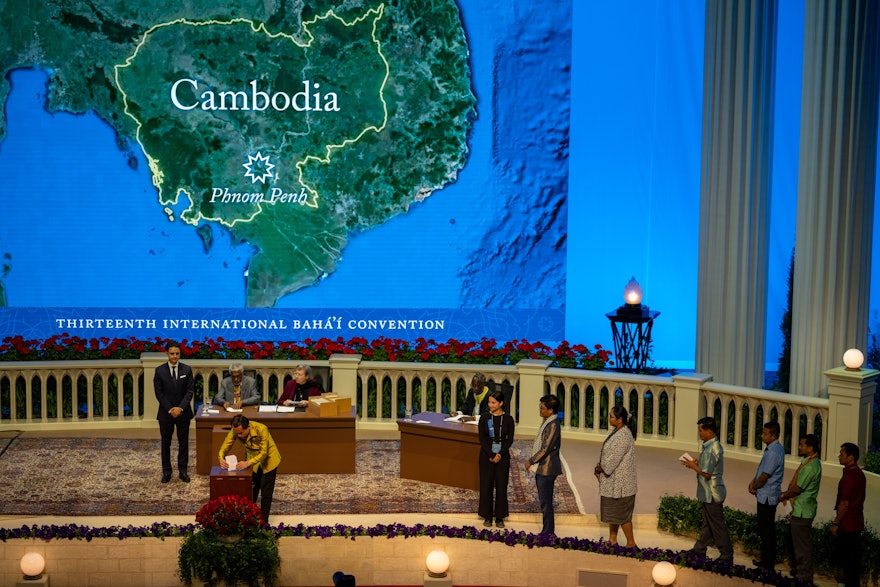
(276, 170)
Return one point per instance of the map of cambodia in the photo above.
(290, 129)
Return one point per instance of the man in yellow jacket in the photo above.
(261, 454)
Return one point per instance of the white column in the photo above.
(738, 90)
(344, 369)
(687, 408)
(151, 362)
(837, 168)
(531, 390)
(850, 403)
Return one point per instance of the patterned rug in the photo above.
(119, 477)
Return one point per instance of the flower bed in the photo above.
(486, 351)
(506, 537)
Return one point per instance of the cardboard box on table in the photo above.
(343, 404)
(321, 406)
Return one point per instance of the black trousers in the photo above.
(264, 488)
(767, 532)
(494, 478)
(849, 552)
(166, 431)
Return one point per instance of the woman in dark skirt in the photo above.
(616, 473)
(496, 436)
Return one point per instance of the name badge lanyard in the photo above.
(496, 446)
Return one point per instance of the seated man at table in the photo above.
(261, 454)
(237, 390)
(298, 390)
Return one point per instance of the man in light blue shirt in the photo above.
(766, 487)
(711, 492)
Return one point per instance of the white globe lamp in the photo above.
(663, 573)
(437, 563)
(853, 359)
(32, 565)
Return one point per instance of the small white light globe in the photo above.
(853, 359)
(632, 293)
(437, 563)
(663, 573)
(32, 564)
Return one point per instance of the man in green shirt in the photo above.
(803, 491)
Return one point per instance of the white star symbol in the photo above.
(264, 163)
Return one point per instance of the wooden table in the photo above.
(439, 452)
(308, 444)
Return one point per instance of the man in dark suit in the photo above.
(174, 385)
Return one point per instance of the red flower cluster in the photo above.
(486, 351)
(230, 514)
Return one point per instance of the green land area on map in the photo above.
(290, 129)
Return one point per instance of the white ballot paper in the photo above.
(232, 461)
(685, 457)
(233, 410)
(286, 409)
(268, 409)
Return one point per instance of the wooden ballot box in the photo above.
(226, 482)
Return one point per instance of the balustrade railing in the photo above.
(117, 393)
(742, 413)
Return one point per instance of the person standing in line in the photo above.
(711, 492)
(238, 389)
(261, 454)
(803, 491)
(616, 473)
(495, 431)
(766, 487)
(545, 460)
(850, 519)
(174, 385)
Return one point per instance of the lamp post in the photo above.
(631, 326)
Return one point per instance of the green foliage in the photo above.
(683, 516)
(782, 375)
(680, 515)
(252, 561)
(872, 460)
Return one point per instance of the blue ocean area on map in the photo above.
(85, 236)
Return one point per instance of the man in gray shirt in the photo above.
(711, 492)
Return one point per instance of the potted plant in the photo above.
(230, 547)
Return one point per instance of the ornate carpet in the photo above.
(120, 477)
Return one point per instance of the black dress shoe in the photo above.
(184, 477)
(166, 477)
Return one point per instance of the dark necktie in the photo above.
(174, 373)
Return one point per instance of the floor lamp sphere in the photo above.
(32, 564)
(663, 573)
(853, 359)
(437, 563)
